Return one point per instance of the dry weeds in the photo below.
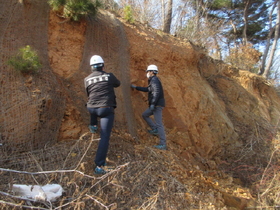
(140, 178)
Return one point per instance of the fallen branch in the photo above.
(61, 171)
(151, 202)
(97, 201)
(100, 179)
(21, 206)
(25, 199)
(78, 141)
(47, 172)
(85, 151)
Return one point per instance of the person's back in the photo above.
(100, 89)
(101, 104)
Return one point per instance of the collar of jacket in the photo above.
(151, 77)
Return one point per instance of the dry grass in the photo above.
(142, 178)
(256, 164)
(268, 187)
(139, 180)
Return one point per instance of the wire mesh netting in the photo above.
(31, 106)
(34, 106)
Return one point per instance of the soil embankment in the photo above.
(215, 114)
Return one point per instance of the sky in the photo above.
(176, 3)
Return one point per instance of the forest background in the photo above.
(243, 33)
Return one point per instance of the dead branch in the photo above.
(85, 151)
(80, 139)
(100, 179)
(20, 205)
(269, 162)
(47, 172)
(97, 201)
(58, 171)
(151, 202)
(25, 199)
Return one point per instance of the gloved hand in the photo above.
(152, 107)
(133, 86)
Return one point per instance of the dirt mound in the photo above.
(218, 119)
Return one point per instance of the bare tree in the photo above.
(245, 18)
(269, 37)
(168, 17)
(162, 10)
(144, 11)
(273, 48)
(275, 76)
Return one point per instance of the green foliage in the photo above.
(233, 12)
(56, 4)
(26, 61)
(220, 4)
(128, 16)
(75, 9)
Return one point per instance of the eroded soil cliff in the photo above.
(218, 119)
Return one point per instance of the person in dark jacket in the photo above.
(101, 104)
(156, 105)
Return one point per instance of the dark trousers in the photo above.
(106, 116)
(157, 123)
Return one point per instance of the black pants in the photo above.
(106, 116)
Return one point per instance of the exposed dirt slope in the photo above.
(216, 117)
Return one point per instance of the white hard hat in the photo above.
(152, 68)
(96, 59)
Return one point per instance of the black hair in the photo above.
(97, 67)
(154, 72)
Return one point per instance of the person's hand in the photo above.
(133, 86)
(152, 107)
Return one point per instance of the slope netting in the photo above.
(31, 106)
(106, 37)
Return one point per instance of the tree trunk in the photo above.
(271, 31)
(218, 49)
(234, 33)
(245, 17)
(273, 48)
(163, 13)
(168, 17)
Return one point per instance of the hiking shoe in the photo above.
(92, 128)
(154, 132)
(161, 146)
(99, 170)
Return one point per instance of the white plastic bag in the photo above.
(49, 192)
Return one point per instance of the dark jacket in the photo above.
(155, 92)
(100, 89)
